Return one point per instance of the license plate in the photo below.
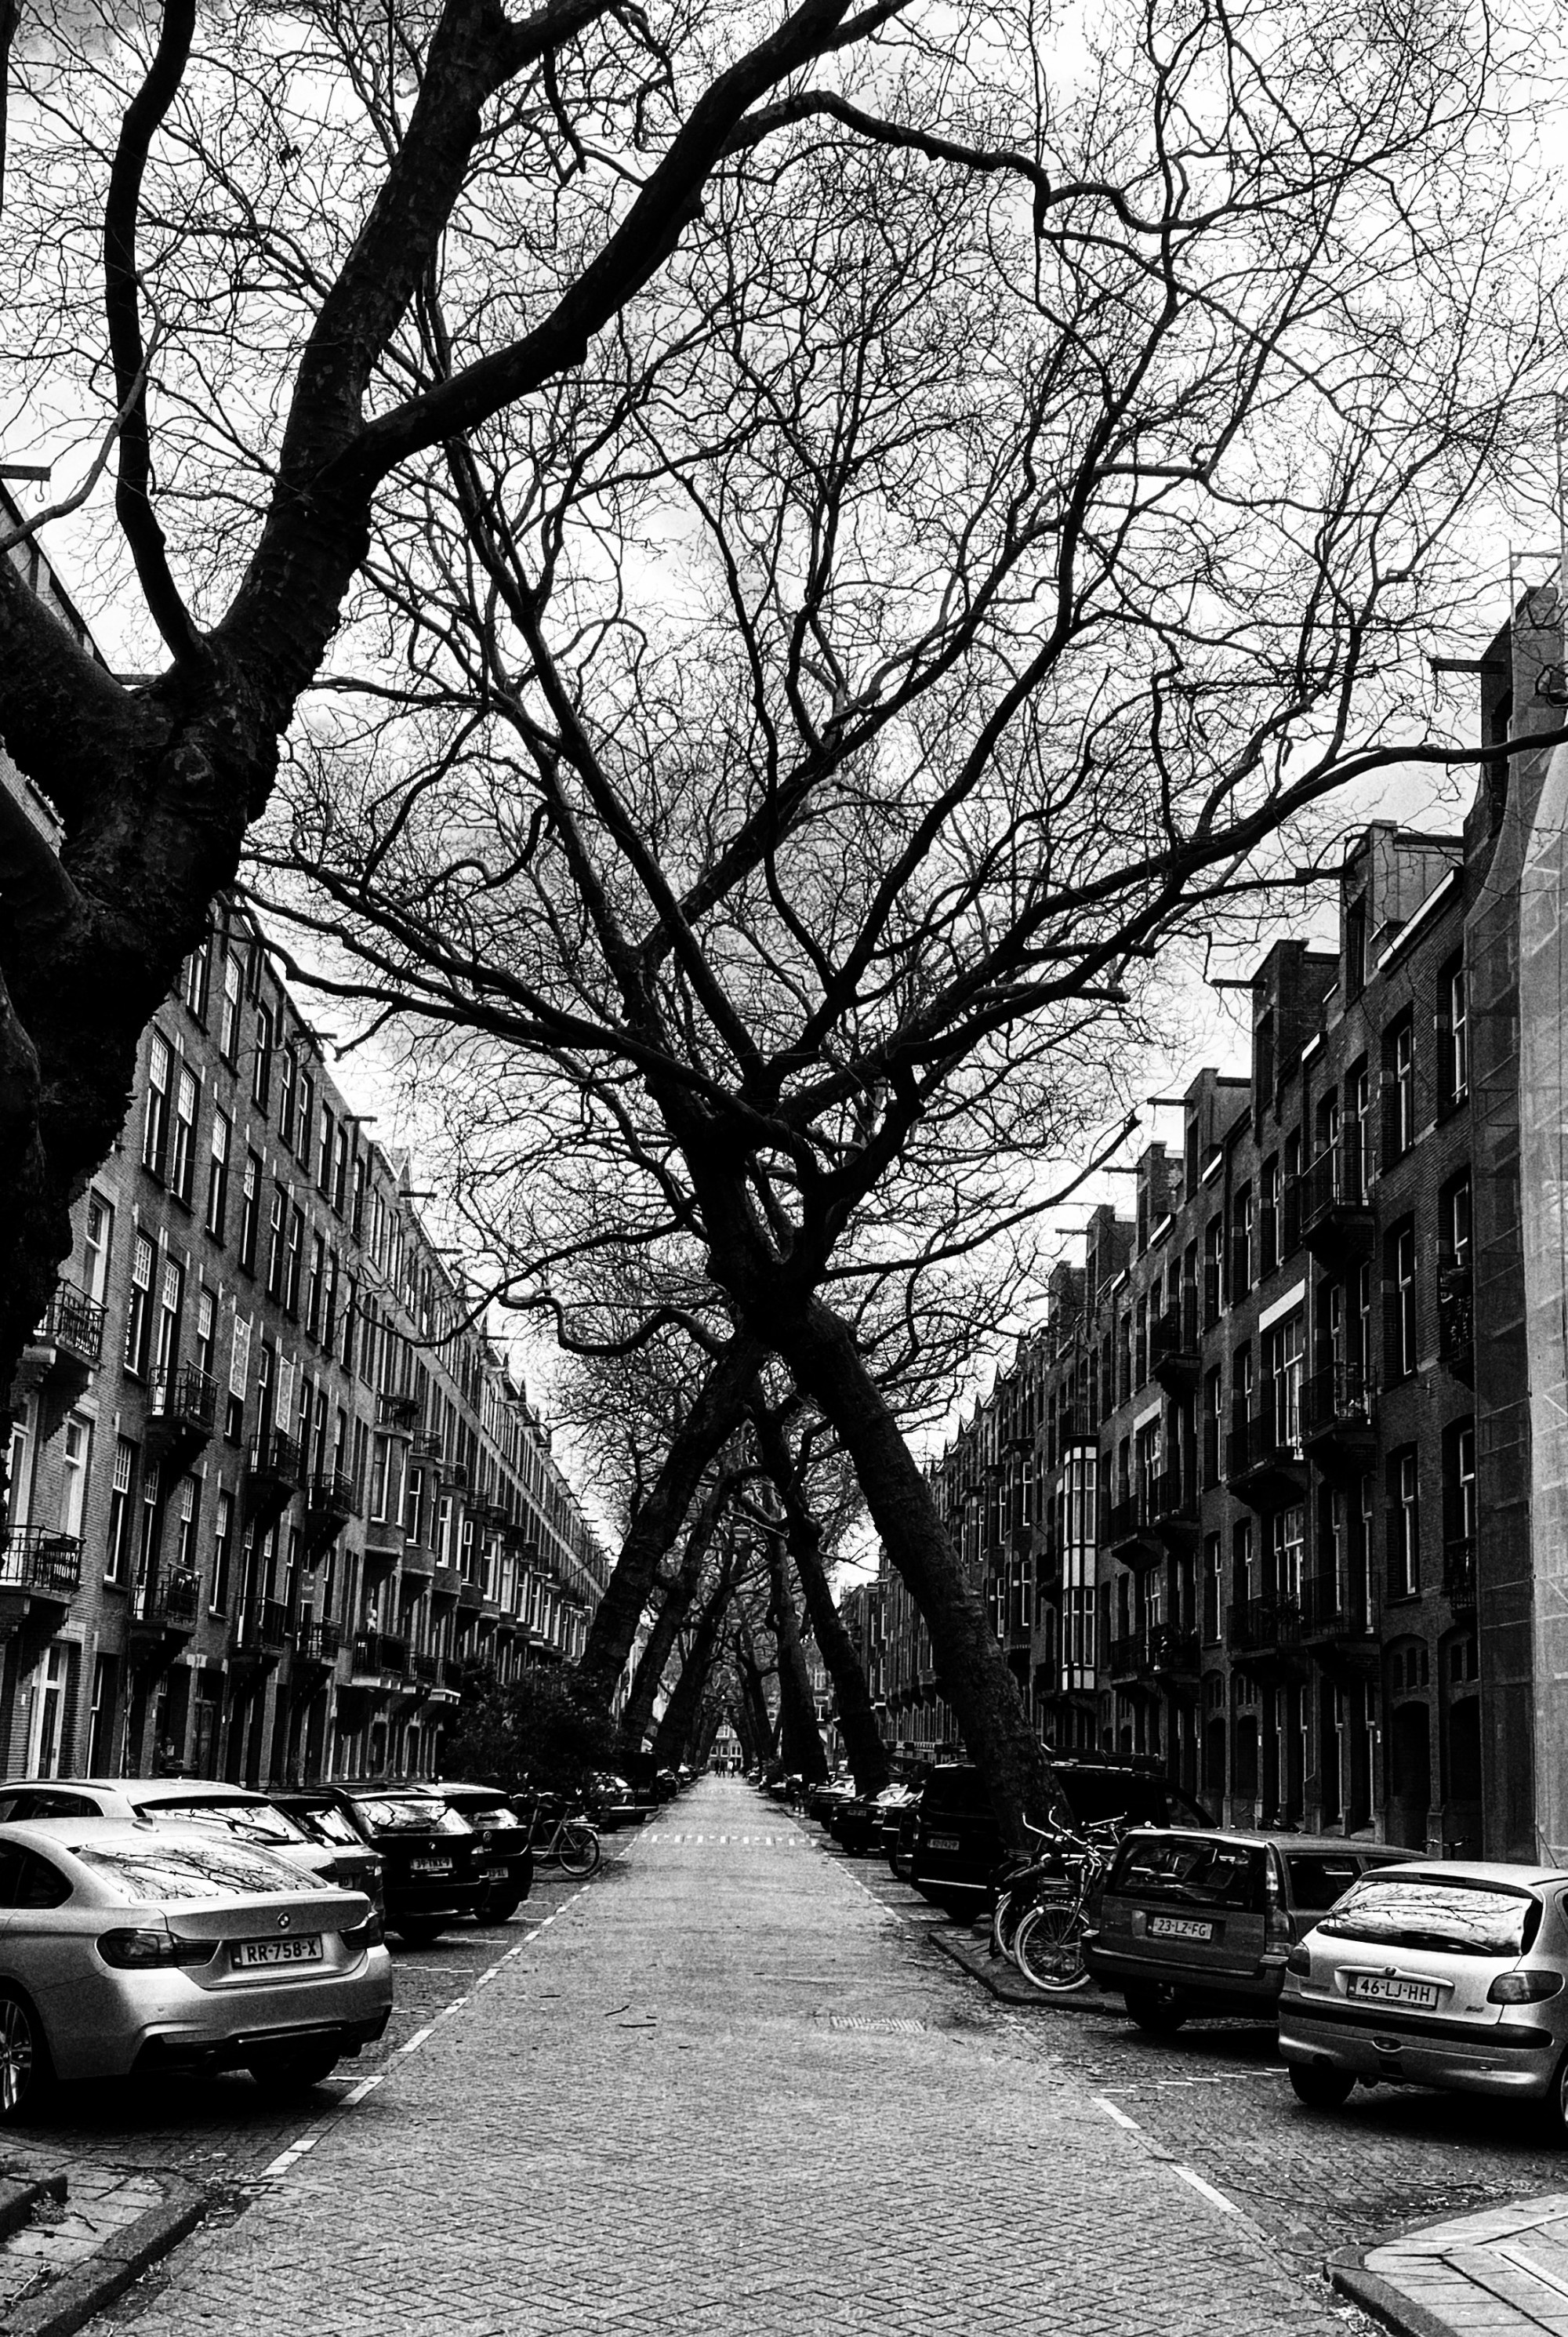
(941, 1841)
(1179, 1927)
(1424, 1993)
(305, 1950)
(431, 1865)
(495, 1874)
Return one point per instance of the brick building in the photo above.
(274, 1502)
(1257, 1495)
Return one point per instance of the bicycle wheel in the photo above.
(578, 1849)
(1048, 1948)
(1001, 1924)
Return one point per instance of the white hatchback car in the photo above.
(132, 1948)
(1435, 1973)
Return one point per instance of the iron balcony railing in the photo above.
(184, 1397)
(1334, 1609)
(380, 1651)
(74, 1321)
(171, 1601)
(1455, 1315)
(1340, 1400)
(399, 1412)
(275, 1457)
(1172, 1653)
(318, 1642)
(1258, 1625)
(1459, 1574)
(39, 1559)
(332, 1493)
(261, 1626)
(1129, 1657)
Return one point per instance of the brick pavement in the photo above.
(727, 2090)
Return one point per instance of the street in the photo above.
(732, 2085)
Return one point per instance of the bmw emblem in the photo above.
(284, 1921)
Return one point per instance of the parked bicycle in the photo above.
(1048, 1941)
(560, 1835)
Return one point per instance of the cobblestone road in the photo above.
(727, 2089)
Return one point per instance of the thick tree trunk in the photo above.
(856, 1720)
(821, 1353)
(637, 1713)
(716, 1412)
(763, 1730)
(680, 1712)
(803, 1748)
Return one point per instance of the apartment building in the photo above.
(1267, 1494)
(277, 1502)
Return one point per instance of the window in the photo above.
(74, 1457)
(155, 1124)
(97, 1242)
(117, 1543)
(185, 1534)
(340, 1170)
(277, 1243)
(315, 1287)
(287, 1084)
(296, 1259)
(100, 1759)
(1213, 1586)
(261, 1061)
(1459, 1490)
(1400, 1075)
(1355, 947)
(217, 1176)
(1403, 1329)
(1453, 1035)
(206, 1320)
(183, 1167)
(1268, 1218)
(251, 1212)
(222, 1551)
(139, 1313)
(1454, 1223)
(19, 1886)
(1243, 1231)
(196, 976)
(228, 1033)
(1404, 1526)
(305, 1118)
(169, 1292)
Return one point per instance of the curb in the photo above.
(1348, 2274)
(1017, 1993)
(19, 2196)
(68, 2303)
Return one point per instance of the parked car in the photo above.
(504, 1861)
(1192, 1921)
(957, 1846)
(430, 1856)
(826, 1800)
(614, 1802)
(321, 1817)
(131, 1948)
(899, 1827)
(1452, 1975)
(231, 1809)
(858, 1825)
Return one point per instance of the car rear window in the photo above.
(1457, 1919)
(1192, 1871)
(247, 1821)
(953, 1792)
(1320, 1877)
(175, 1869)
(330, 1824)
(394, 1813)
(1095, 1796)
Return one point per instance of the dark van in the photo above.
(1192, 1921)
(957, 1846)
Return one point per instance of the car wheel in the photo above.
(294, 2069)
(26, 2072)
(419, 1932)
(498, 1908)
(1555, 2106)
(1320, 2086)
(1157, 2009)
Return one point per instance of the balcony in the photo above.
(1129, 1658)
(398, 1415)
(1335, 1622)
(1130, 1533)
(68, 1344)
(1173, 1356)
(1173, 1504)
(418, 1569)
(1262, 1465)
(380, 1659)
(259, 1635)
(1173, 1655)
(1265, 1635)
(272, 1477)
(1339, 1416)
(317, 1645)
(428, 1449)
(43, 1565)
(331, 1499)
(445, 1583)
(1457, 1321)
(470, 1598)
(181, 1413)
(1459, 1574)
(428, 1670)
(1336, 1211)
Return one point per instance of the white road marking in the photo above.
(412, 2044)
(1207, 2190)
(1119, 2116)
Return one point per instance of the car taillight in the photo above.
(1298, 1962)
(1276, 1921)
(1524, 1987)
(367, 1934)
(131, 1950)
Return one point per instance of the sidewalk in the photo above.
(1503, 2272)
(726, 2090)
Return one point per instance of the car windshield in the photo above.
(411, 1813)
(1317, 1878)
(250, 1821)
(956, 1791)
(1457, 1918)
(491, 1815)
(1192, 1871)
(178, 1870)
